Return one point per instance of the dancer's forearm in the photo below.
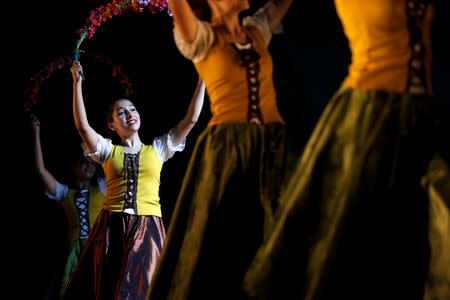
(184, 19)
(88, 135)
(46, 177)
(193, 113)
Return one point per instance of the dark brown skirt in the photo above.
(119, 258)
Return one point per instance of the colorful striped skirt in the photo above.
(119, 258)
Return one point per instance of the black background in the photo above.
(310, 61)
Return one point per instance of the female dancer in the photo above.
(354, 223)
(121, 253)
(81, 203)
(234, 177)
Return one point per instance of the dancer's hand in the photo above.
(34, 123)
(76, 70)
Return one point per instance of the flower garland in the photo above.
(105, 12)
(32, 90)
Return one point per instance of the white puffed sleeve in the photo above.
(103, 149)
(198, 49)
(60, 192)
(164, 147)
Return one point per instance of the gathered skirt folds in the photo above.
(119, 258)
(437, 184)
(74, 250)
(354, 220)
(226, 202)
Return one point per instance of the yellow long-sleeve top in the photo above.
(390, 44)
(226, 78)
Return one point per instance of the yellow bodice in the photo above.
(145, 185)
(390, 43)
(225, 79)
(95, 202)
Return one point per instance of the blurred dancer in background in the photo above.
(82, 203)
(355, 220)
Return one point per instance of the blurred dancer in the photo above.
(232, 184)
(354, 221)
(82, 203)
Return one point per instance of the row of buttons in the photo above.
(250, 59)
(416, 80)
(131, 174)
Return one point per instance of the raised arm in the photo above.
(183, 128)
(277, 14)
(46, 177)
(88, 135)
(184, 18)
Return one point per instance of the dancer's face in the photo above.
(85, 168)
(126, 119)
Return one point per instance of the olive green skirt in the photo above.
(227, 200)
(354, 220)
(437, 184)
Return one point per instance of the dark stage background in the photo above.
(310, 60)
